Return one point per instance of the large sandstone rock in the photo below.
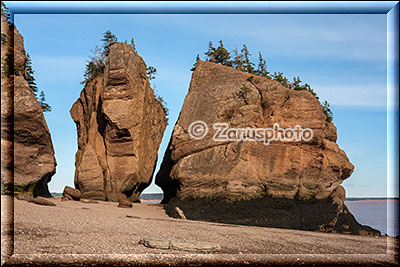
(73, 193)
(283, 184)
(27, 154)
(120, 125)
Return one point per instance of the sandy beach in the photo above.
(73, 231)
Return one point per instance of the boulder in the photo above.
(75, 194)
(273, 183)
(25, 197)
(125, 204)
(177, 213)
(27, 154)
(42, 201)
(120, 125)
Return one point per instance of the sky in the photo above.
(343, 57)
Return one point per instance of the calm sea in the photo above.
(380, 214)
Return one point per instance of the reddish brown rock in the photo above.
(27, 154)
(23, 196)
(120, 125)
(283, 184)
(42, 201)
(125, 204)
(75, 194)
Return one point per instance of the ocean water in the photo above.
(380, 214)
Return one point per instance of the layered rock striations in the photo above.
(120, 125)
(27, 154)
(282, 184)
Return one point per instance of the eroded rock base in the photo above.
(313, 215)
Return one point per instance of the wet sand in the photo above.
(75, 233)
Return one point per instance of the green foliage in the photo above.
(133, 45)
(244, 88)
(210, 52)
(296, 84)
(327, 111)
(29, 75)
(151, 73)
(241, 61)
(278, 76)
(248, 66)
(5, 12)
(42, 101)
(163, 105)
(96, 65)
(222, 56)
(218, 55)
(92, 70)
(195, 64)
(262, 67)
(108, 40)
(237, 61)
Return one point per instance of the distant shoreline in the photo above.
(371, 198)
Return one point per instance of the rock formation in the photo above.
(282, 184)
(27, 154)
(120, 125)
(70, 193)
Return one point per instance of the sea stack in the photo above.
(282, 184)
(120, 125)
(27, 153)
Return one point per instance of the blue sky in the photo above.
(343, 57)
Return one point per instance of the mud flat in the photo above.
(77, 233)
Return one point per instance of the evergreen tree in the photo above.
(133, 45)
(237, 61)
(92, 70)
(280, 78)
(29, 75)
(327, 111)
(195, 64)
(296, 83)
(262, 66)
(151, 72)
(221, 55)
(108, 40)
(248, 66)
(5, 12)
(42, 101)
(210, 52)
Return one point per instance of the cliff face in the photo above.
(120, 125)
(27, 156)
(282, 184)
